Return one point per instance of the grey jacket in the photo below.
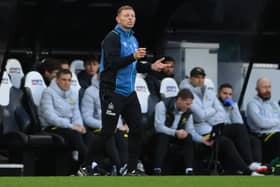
(207, 109)
(160, 127)
(59, 108)
(233, 115)
(91, 107)
(263, 116)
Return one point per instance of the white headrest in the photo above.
(77, 66)
(5, 87)
(75, 85)
(36, 83)
(143, 93)
(169, 87)
(14, 69)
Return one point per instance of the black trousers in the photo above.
(72, 138)
(239, 136)
(117, 148)
(162, 144)
(271, 146)
(89, 145)
(112, 106)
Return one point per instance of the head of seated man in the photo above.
(91, 66)
(63, 79)
(197, 77)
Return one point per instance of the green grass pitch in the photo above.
(146, 181)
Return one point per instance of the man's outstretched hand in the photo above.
(158, 65)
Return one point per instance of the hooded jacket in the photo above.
(59, 108)
(91, 107)
(207, 109)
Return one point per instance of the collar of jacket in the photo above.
(123, 32)
(59, 91)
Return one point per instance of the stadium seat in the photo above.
(168, 88)
(5, 89)
(22, 147)
(14, 69)
(76, 66)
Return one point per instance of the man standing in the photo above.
(120, 57)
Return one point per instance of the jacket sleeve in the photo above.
(143, 67)
(201, 114)
(77, 117)
(48, 112)
(220, 114)
(259, 120)
(160, 126)
(235, 115)
(87, 109)
(112, 53)
(190, 129)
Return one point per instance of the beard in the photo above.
(265, 96)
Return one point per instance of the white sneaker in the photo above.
(256, 174)
(255, 166)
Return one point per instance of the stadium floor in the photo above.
(146, 181)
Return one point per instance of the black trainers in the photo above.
(135, 172)
(88, 171)
(85, 171)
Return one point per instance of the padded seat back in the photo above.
(168, 88)
(14, 69)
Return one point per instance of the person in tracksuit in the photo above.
(234, 124)
(263, 118)
(210, 120)
(120, 55)
(174, 124)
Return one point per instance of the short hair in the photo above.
(49, 65)
(63, 72)
(63, 61)
(168, 59)
(124, 7)
(185, 94)
(91, 59)
(225, 85)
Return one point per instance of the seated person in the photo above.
(91, 68)
(233, 117)
(64, 64)
(59, 113)
(48, 69)
(210, 118)
(153, 79)
(263, 118)
(173, 123)
(117, 148)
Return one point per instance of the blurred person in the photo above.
(154, 79)
(91, 66)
